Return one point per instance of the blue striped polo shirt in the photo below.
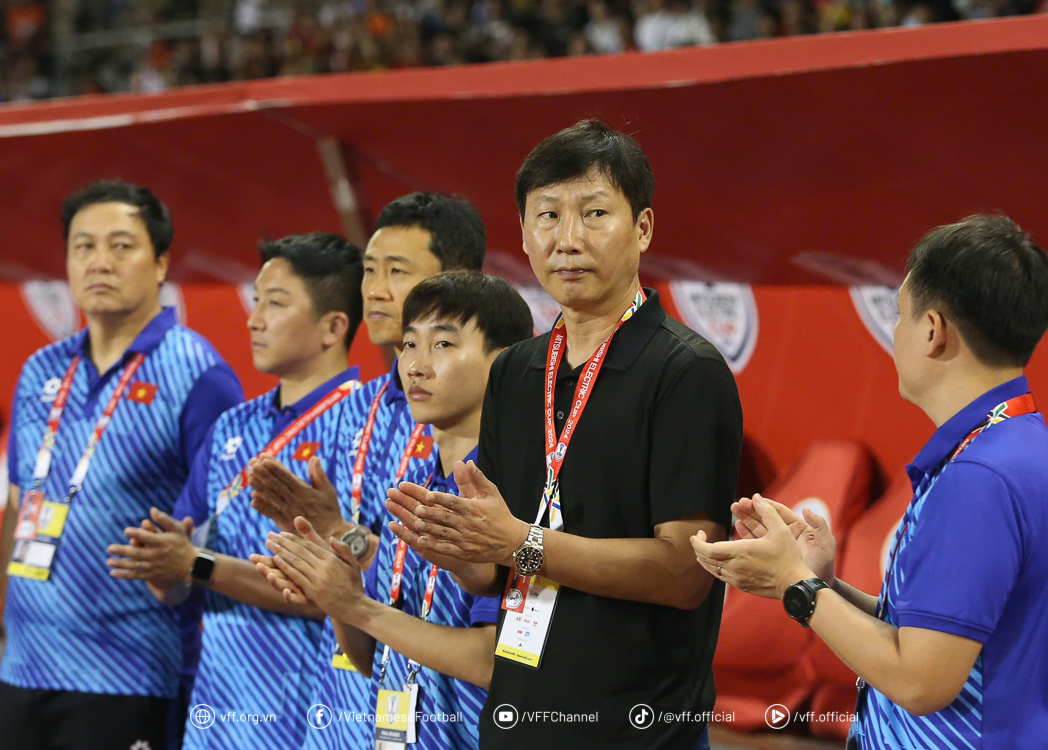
(82, 630)
(347, 693)
(973, 563)
(255, 665)
(448, 709)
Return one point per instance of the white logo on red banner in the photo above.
(724, 313)
(52, 307)
(878, 309)
(544, 309)
(246, 292)
(171, 296)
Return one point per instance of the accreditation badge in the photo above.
(395, 726)
(341, 661)
(37, 533)
(529, 605)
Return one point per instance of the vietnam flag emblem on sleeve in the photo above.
(306, 451)
(141, 393)
(423, 447)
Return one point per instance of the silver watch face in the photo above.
(357, 541)
(528, 560)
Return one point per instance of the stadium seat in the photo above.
(762, 655)
(862, 565)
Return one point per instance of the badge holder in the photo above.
(529, 603)
(37, 533)
(395, 713)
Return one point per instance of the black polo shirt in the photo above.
(659, 441)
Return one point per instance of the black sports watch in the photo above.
(799, 599)
(203, 568)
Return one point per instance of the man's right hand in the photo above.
(811, 531)
(281, 496)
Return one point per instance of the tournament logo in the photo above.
(171, 296)
(561, 450)
(724, 313)
(52, 307)
(878, 308)
(514, 599)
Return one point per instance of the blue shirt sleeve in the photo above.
(193, 500)
(958, 570)
(215, 391)
(12, 441)
(485, 611)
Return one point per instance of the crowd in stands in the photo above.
(171, 43)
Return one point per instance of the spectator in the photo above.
(251, 39)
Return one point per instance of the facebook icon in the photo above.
(318, 716)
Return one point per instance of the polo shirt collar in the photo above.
(448, 483)
(957, 428)
(629, 341)
(395, 392)
(308, 401)
(146, 341)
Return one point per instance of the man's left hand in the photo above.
(477, 527)
(326, 573)
(766, 566)
(160, 550)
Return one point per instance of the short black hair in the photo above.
(457, 234)
(576, 151)
(500, 312)
(153, 213)
(332, 268)
(990, 278)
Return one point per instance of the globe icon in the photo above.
(202, 716)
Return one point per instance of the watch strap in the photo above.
(203, 568)
(810, 586)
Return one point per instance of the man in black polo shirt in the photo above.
(605, 626)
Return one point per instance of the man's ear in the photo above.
(645, 226)
(163, 264)
(936, 333)
(335, 325)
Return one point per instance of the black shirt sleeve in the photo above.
(696, 443)
(487, 446)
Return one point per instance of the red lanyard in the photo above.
(1015, 407)
(282, 440)
(43, 459)
(402, 547)
(362, 454)
(398, 562)
(557, 450)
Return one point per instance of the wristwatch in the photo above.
(528, 558)
(799, 599)
(203, 568)
(357, 541)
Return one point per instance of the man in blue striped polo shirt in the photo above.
(416, 236)
(428, 645)
(952, 655)
(91, 663)
(253, 683)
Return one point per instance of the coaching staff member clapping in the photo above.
(604, 444)
(104, 426)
